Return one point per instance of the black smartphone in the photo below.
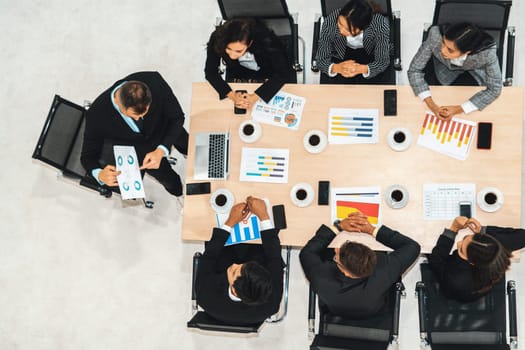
(390, 102)
(465, 209)
(240, 110)
(323, 192)
(279, 217)
(484, 135)
(198, 188)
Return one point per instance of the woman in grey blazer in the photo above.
(453, 54)
(354, 45)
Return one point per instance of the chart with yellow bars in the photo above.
(264, 165)
(452, 137)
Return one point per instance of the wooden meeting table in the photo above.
(362, 165)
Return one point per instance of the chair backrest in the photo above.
(383, 6)
(490, 15)
(255, 8)
(453, 322)
(60, 142)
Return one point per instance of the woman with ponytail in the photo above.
(480, 260)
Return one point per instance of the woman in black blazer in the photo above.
(354, 45)
(479, 262)
(252, 53)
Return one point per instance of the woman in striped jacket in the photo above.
(354, 45)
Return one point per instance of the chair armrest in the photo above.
(315, 42)
(295, 43)
(511, 42)
(397, 40)
(398, 291)
(513, 324)
(283, 310)
(196, 258)
(93, 185)
(420, 292)
(311, 311)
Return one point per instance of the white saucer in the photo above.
(399, 147)
(257, 131)
(309, 194)
(393, 204)
(489, 208)
(323, 141)
(229, 201)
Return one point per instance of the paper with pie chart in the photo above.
(129, 181)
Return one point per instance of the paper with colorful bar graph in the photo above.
(264, 165)
(347, 126)
(283, 110)
(246, 230)
(451, 137)
(366, 200)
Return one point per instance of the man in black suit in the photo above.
(354, 281)
(241, 284)
(141, 111)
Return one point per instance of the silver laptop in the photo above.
(212, 156)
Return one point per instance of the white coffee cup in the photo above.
(315, 141)
(250, 131)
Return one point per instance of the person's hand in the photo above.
(346, 69)
(433, 107)
(357, 221)
(108, 175)
(238, 213)
(258, 207)
(449, 111)
(152, 159)
(458, 223)
(474, 225)
(240, 99)
(251, 99)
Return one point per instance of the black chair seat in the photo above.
(204, 321)
(336, 343)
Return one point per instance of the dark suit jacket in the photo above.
(163, 124)
(359, 297)
(271, 57)
(212, 282)
(455, 275)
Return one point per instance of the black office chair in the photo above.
(201, 320)
(275, 15)
(328, 6)
(377, 332)
(449, 324)
(60, 145)
(490, 15)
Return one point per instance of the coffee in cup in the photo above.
(221, 200)
(399, 137)
(314, 140)
(301, 194)
(491, 198)
(248, 129)
(397, 195)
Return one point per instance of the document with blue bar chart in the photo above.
(246, 230)
(349, 126)
(264, 165)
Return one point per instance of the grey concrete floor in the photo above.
(81, 272)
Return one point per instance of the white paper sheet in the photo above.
(441, 201)
(264, 165)
(283, 110)
(350, 199)
(349, 126)
(129, 181)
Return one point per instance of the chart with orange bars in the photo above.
(451, 137)
(348, 200)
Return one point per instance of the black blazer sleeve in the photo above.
(511, 238)
(211, 72)
(406, 251)
(173, 114)
(311, 253)
(92, 145)
(274, 263)
(441, 253)
(209, 258)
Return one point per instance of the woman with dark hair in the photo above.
(480, 260)
(457, 54)
(354, 45)
(252, 53)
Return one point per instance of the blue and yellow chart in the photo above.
(347, 126)
(264, 165)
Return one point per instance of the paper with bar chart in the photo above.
(347, 126)
(245, 230)
(366, 200)
(283, 110)
(441, 200)
(264, 165)
(451, 137)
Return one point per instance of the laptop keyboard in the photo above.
(216, 156)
